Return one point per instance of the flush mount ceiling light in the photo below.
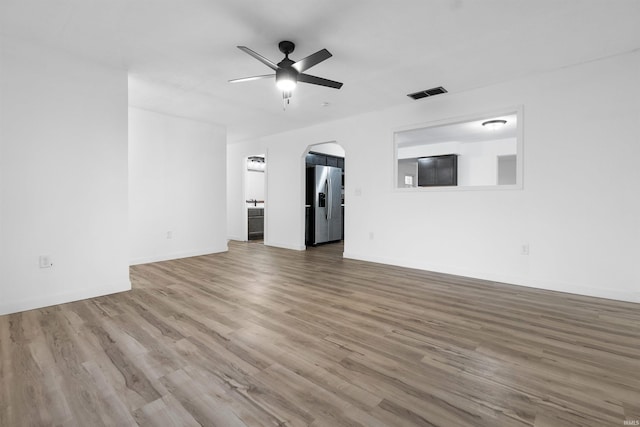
(494, 124)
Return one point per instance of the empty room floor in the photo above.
(262, 336)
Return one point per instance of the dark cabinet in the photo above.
(320, 159)
(436, 171)
(256, 223)
(314, 159)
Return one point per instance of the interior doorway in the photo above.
(255, 197)
(324, 177)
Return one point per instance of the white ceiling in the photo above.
(181, 53)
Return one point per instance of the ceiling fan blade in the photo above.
(259, 57)
(311, 60)
(306, 78)
(248, 79)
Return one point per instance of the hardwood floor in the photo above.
(263, 336)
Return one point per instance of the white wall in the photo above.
(478, 162)
(330, 148)
(177, 191)
(254, 185)
(63, 177)
(431, 149)
(578, 210)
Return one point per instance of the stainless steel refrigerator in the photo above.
(324, 194)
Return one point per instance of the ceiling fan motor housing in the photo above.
(286, 47)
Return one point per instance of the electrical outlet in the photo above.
(169, 234)
(371, 236)
(45, 261)
(524, 249)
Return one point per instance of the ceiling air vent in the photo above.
(429, 92)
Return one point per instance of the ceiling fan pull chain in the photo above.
(286, 96)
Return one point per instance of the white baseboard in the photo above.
(61, 298)
(286, 246)
(569, 288)
(178, 255)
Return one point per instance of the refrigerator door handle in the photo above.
(330, 197)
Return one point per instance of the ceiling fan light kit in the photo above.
(289, 73)
(286, 79)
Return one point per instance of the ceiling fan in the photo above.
(288, 72)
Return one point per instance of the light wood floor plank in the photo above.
(263, 336)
